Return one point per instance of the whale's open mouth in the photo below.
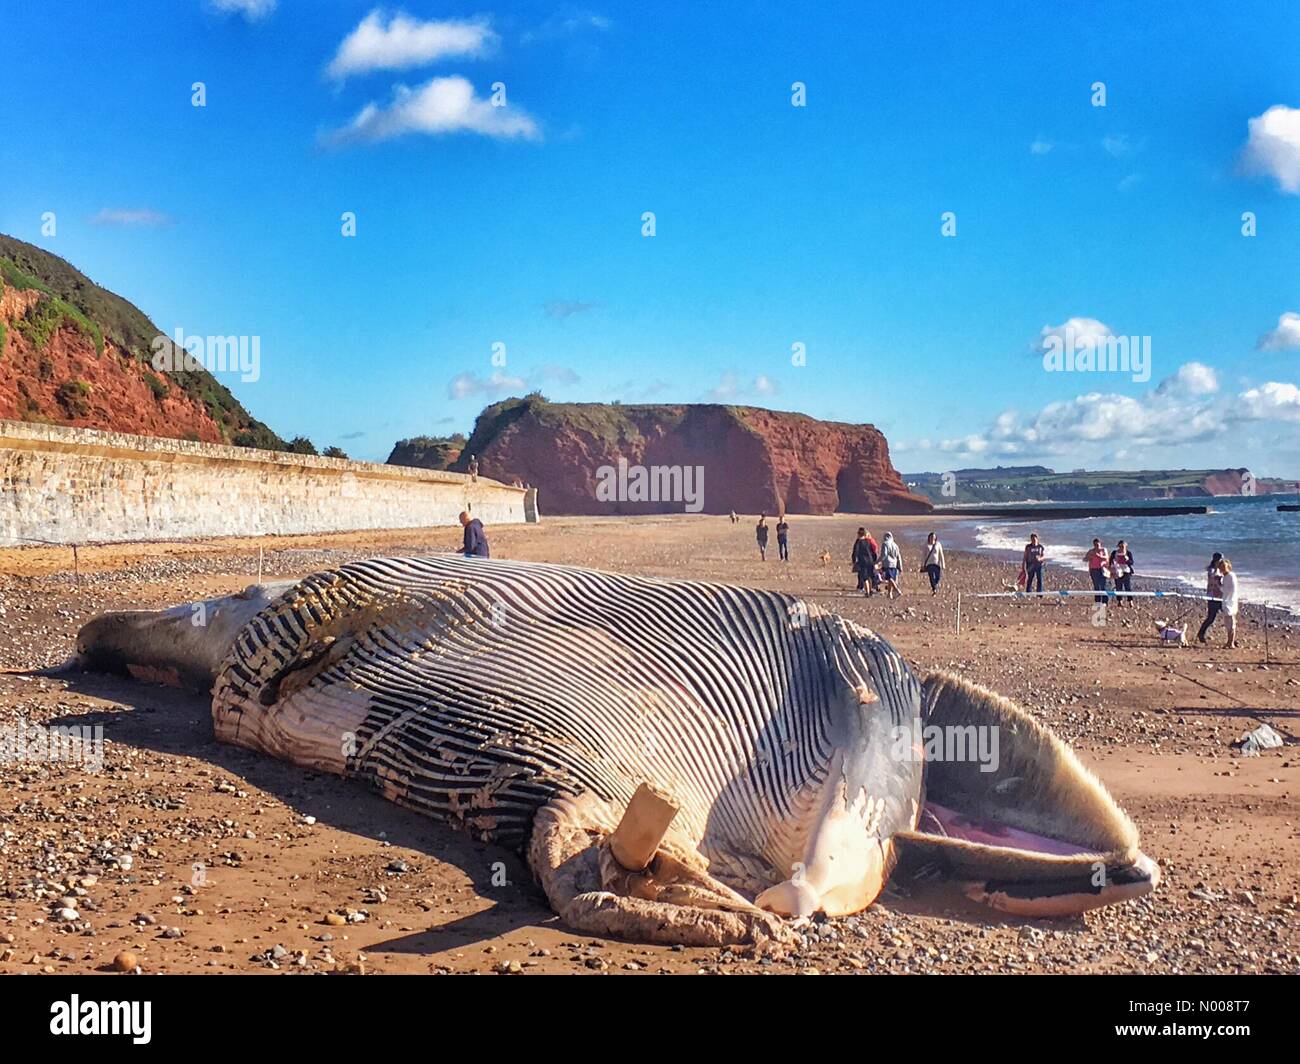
(948, 823)
(1011, 813)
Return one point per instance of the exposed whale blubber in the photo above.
(772, 785)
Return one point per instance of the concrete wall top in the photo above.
(25, 435)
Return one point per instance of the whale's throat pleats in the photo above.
(478, 691)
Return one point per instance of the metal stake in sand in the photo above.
(643, 827)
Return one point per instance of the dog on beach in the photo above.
(1170, 635)
(826, 558)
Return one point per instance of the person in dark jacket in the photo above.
(864, 561)
(1213, 591)
(760, 534)
(783, 538)
(476, 543)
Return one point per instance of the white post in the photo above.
(959, 613)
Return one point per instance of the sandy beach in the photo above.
(237, 861)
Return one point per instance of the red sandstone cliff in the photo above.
(68, 382)
(73, 353)
(753, 460)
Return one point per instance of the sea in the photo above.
(1262, 543)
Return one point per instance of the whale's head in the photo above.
(183, 646)
(1011, 814)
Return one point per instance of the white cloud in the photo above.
(731, 387)
(1073, 334)
(1184, 408)
(1191, 378)
(553, 374)
(1040, 146)
(1285, 337)
(1121, 145)
(132, 218)
(405, 42)
(567, 23)
(438, 107)
(1273, 147)
(1272, 401)
(566, 308)
(467, 385)
(250, 9)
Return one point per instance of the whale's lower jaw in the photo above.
(1069, 895)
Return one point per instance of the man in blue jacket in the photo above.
(476, 544)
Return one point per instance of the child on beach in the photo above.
(933, 564)
(891, 565)
(875, 562)
(1121, 571)
(1214, 589)
(760, 534)
(1031, 565)
(1097, 560)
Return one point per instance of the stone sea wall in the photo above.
(72, 485)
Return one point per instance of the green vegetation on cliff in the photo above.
(428, 452)
(617, 424)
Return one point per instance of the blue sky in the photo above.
(775, 225)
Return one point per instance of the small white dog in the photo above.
(1170, 635)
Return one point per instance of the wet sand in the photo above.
(279, 849)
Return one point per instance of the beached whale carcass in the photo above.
(679, 761)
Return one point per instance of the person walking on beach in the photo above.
(1214, 590)
(734, 518)
(1097, 559)
(934, 563)
(1032, 562)
(864, 561)
(1230, 603)
(475, 543)
(891, 566)
(1121, 571)
(875, 562)
(760, 534)
(783, 538)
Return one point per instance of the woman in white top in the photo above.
(1230, 603)
(933, 564)
(891, 567)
